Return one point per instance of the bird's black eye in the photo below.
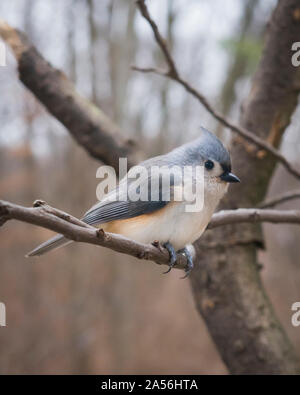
(209, 164)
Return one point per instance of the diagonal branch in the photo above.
(174, 75)
(88, 125)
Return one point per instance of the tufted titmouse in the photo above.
(164, 219)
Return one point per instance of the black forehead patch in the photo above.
(226, 167)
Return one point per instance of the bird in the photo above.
(164, 218)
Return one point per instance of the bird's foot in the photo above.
(173, 257)
(189, 265)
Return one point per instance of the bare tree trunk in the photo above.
(226, 282)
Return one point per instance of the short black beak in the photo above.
(229, 177)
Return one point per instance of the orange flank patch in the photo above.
(124, 226)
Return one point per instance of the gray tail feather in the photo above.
(51, 244)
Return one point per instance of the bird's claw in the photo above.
(189, 264)
(173, 256)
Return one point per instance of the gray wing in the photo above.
(121, 210)
(110, 209)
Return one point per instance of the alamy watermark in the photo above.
(296, 316)
(296, 56)
(153, 183)
(2, 314)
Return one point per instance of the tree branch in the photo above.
(284, 197)
(253, 215)
(159, 39)
(58, 221)
(89, 126)
(173, 74)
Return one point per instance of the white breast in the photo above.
(173, 223)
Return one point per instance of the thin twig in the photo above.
(150, 70)
(173, 74)
(253, 215)
(60, 214)
(284, 197)
(159, 39)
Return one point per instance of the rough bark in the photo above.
(226, 282)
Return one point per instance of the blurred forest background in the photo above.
(85, 309)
